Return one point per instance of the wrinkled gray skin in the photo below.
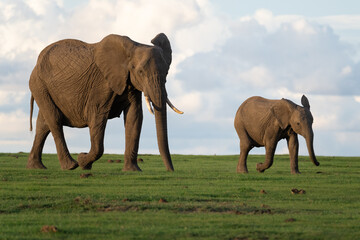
(80, 85)
(263, 122)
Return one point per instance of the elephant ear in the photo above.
(305, 102)
(112, 57)
(163, 42)
(282, 113)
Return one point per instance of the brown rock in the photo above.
(140, 160)
(162, 200)
(262, 191)
(110, 161)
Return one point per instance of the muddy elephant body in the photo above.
(77, 84)
(263, 122)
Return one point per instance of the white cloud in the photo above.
(13, 123)
(257, 76)
(190, 102)
(346, 70)
(303, 27)
(7, 11)
(40, 7)
(11, 96)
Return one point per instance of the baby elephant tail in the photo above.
(31, 111)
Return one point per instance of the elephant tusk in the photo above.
(173, 107)
(148, 104)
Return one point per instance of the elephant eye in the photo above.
(298, 123)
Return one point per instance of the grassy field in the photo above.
(203, 199)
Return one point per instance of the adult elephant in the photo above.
(263, 122)
(77, 84)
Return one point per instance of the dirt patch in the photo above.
(298, 191)
(290, 220)
(118, 208)
(83, 201)
(47, 229)
(162, 200)
(264, 206)
(86, 175)
(77, 199)
(261, 211)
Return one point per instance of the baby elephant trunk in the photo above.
(310, 146)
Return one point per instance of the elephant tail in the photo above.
(31, 111)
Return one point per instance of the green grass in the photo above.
(205, 197)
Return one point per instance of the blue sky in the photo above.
(223, 52)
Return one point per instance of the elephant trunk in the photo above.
(156, 95)
(162, 136)
(310, 146)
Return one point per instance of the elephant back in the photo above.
(64, 58)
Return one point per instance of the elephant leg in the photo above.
(42, 131)
(53, 116)
(66, 161)
(245, 147)
(293, 145)
(97, 132)
(133, 117)
(269, 157)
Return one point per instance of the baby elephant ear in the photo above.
(282, 111)
(163, 42)
(305, 102)
(281, 116)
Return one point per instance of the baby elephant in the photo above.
(263, 122)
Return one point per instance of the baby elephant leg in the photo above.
(245, 147)
(269, 158)
(293, 145)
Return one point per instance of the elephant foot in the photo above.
(242, 170)
(35, 165)
(260, 168)
(131, 167)
(71, 165)
(84, 162)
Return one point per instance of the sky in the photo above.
(224, 51)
